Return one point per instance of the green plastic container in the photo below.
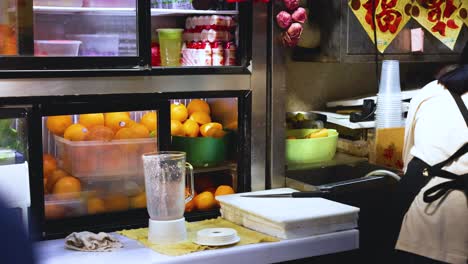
(202, 151)
(312, 150)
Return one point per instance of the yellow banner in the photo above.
(390, 18)
(441, 18)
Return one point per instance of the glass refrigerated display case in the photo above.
(123, 34)
(92, 156)
(57, 35)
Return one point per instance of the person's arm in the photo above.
(15, 247)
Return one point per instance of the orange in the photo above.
(200, 117)
(100, 133)
(224, 190)
(54, 211)
(49, 164)
(117, 202)
(177, 129)
(90, 120)
(114, 159)
(127, 133)
(179, 112)
(218, 133)
(117, 120)
(191, 128)
(150, 121)
(208, 129)
(139, 130)
(124, 133)
(205, 201)
(197, 105)
(58, 124)
(232, 126)
(76, 132)
(138, 201)
(67, 187)
(96, 206)
(54, 177)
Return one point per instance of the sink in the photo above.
(307, 179)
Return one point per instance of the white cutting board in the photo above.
(311, 215)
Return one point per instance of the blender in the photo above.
(165, 182)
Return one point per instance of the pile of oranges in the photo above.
(103, 126)
(194, 120)
(205, 200)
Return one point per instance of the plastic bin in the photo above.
(59, 3)
(88, 159)
(56, 208)
(97, 44)
(110, 3)
(57, 48)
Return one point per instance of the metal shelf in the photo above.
(56, 10)
(222, 167)
(126, 11)
(183, 12)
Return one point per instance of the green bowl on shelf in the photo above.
(202, 151)
(310, 150)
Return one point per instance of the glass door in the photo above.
(199, 33)
(71, 34)
(91, 162)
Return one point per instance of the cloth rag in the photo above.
(247, 237)
(88, 241)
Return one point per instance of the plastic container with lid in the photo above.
(110, 3)
(59, 3)
(97, 44)
(57, 48)
(100, 160)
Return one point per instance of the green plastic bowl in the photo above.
(202, 151)
(311, 150)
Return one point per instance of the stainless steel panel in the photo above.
(259, 86)
(112, 85)
(278, 106)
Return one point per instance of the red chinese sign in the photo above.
(390, 18)
(440, 18)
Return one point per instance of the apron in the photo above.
(418, 174)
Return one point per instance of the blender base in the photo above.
(167, 232)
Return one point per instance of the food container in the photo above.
(110, 3)
(59, 3)
(57, 48)
(85, 159)
(310, 150)
(97, 44)
(202, 151)
(57, 208)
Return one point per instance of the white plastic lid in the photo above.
(217, 237)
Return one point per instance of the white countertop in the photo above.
(54, 252)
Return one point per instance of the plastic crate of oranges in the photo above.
(103, 144)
